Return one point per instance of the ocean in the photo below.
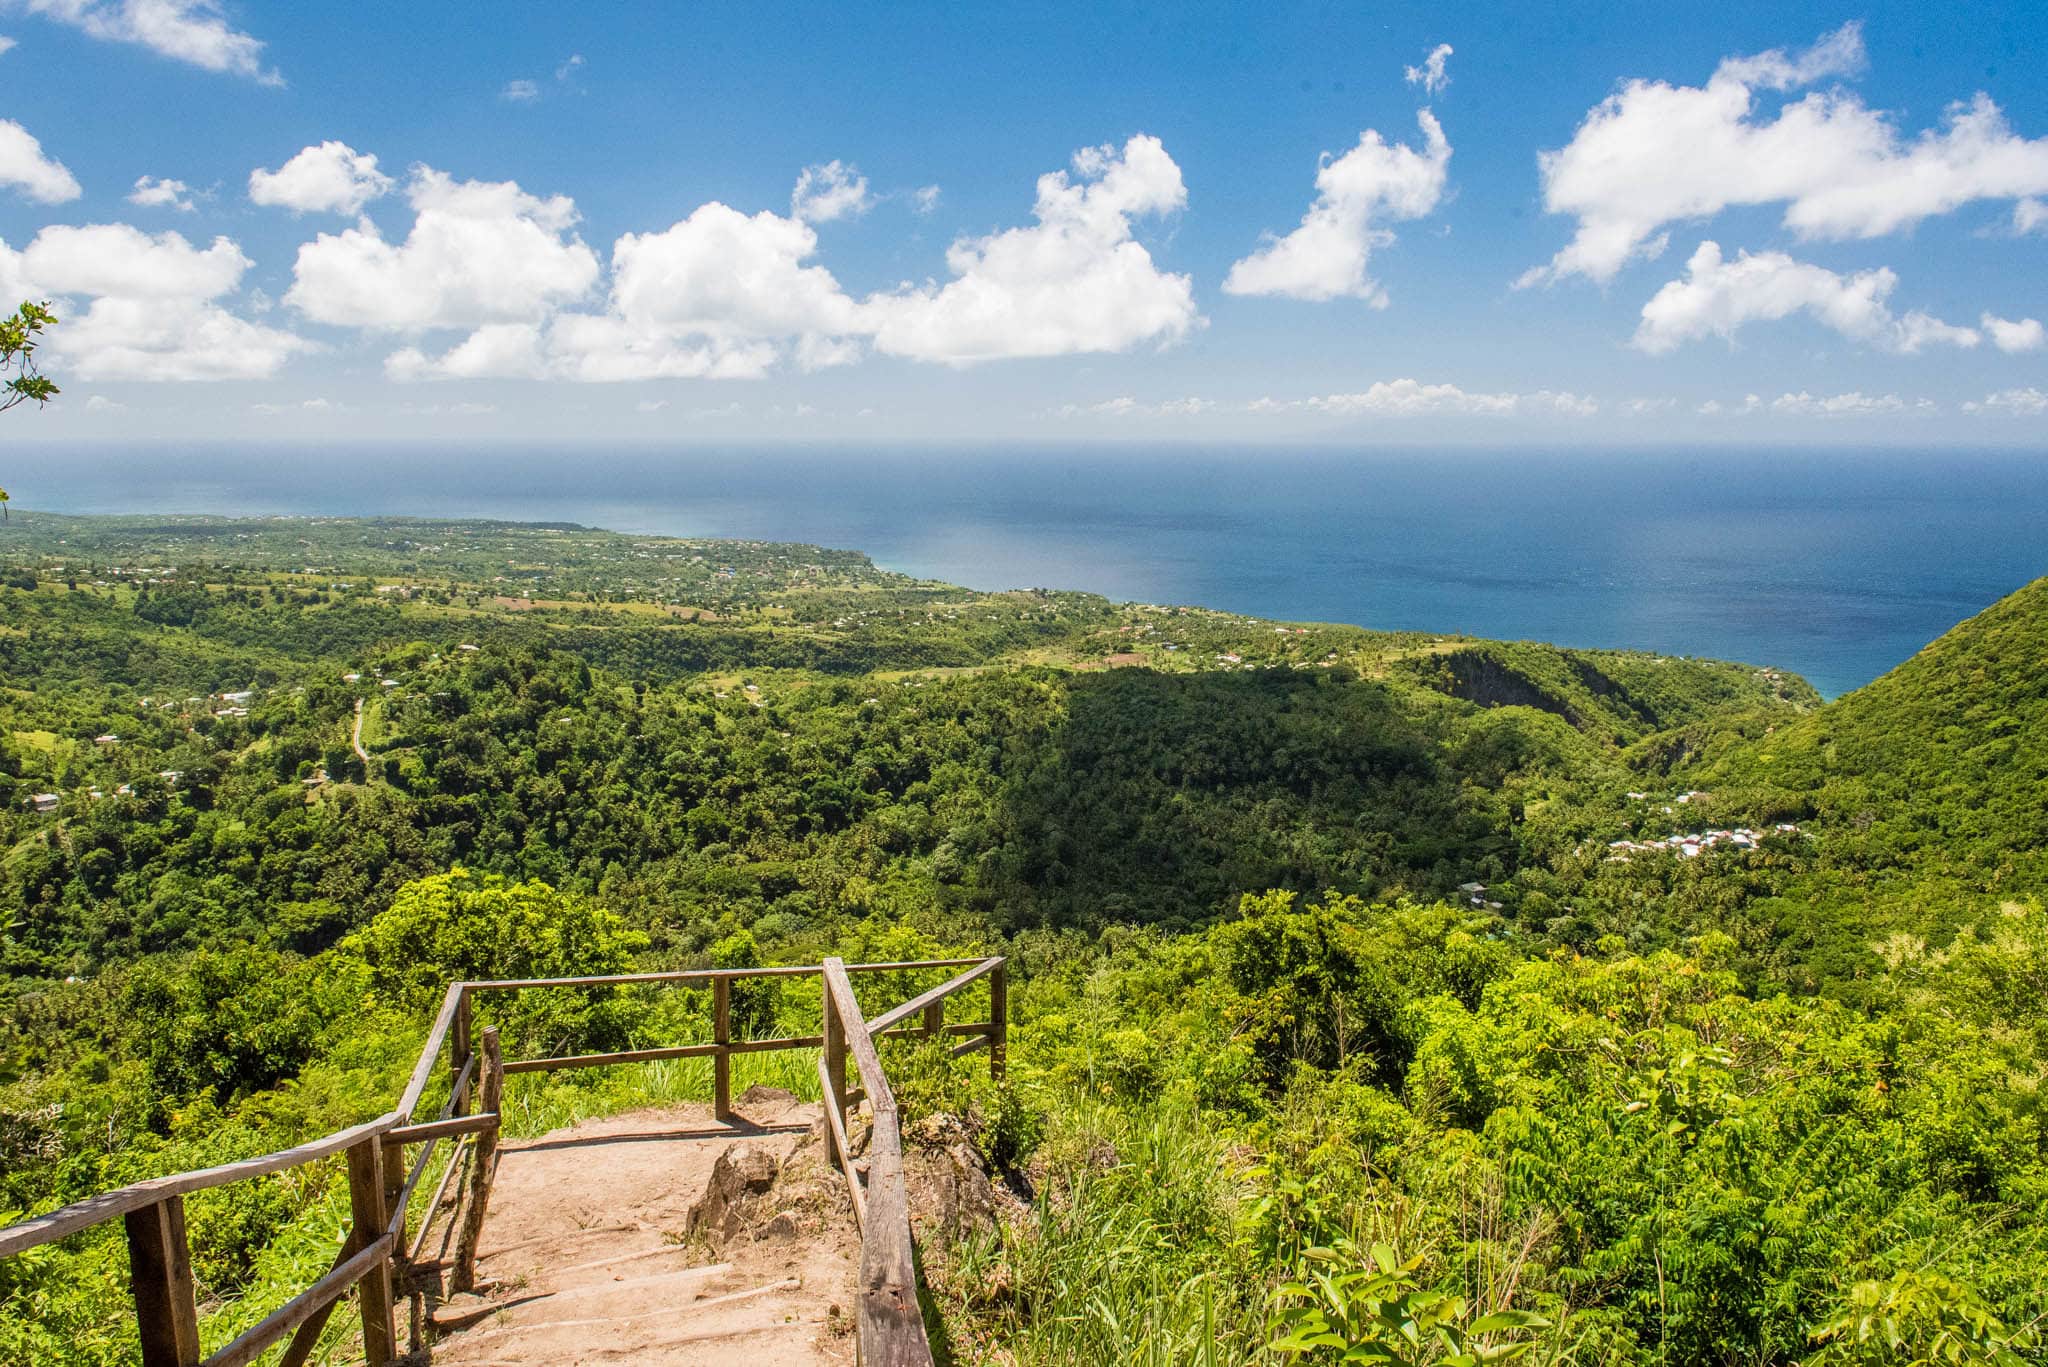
(1834, 564)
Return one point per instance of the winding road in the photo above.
(355, 738)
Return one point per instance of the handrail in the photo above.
(95, 1210)
(891, 1328)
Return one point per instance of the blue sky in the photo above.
(580, 223)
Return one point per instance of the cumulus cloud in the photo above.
(1654, 154)
(924, 199)
(520, 92)
(1431, 75)
(1718, 296)
(330, 178)
(731, 295)
(1327, 256)
(480, 252)
(192, 31)
(1851, 405)
(2023, 334)
(1074, 281)
(2029, 215)
(6, 43)
(154, 193)
(2025, 403)
(154, 312)
(828, 191)
(22, 164)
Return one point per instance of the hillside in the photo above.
(1415, 963)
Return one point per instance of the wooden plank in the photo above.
(160, 1273)
(999, 1017)
(439, 1129)
(461, 1056)
(482, 1169)
(701, 975)
(95, 1210)
(891, 1325)
(434, 1205)
(444, 1021)
(307, 1337)
(301, 1308)
(858, 1042)
(937, 994)
(832, 1071)
(721, 1062)
(973, 1046)
(934, 1019)
(548, 1065)
(842, 1151)
(373, 1284)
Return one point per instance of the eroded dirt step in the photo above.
(663, 1237)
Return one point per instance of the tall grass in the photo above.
(1132, 1256)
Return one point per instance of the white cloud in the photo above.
(729, 295)
(1654, 154)
(1431, 75)
(924, 199)
(1851, 405)
(1646, 407)
(1327, 256)
(520, 92)
(1717, 297)
(1124, 406)
(828, 191)
(479, 252)
(2028, 402)
(1075, 281)
(6, 44)
(192, 31)
(2029, 215)
(154, 193)
(330, 178)
(2023, 334)
(569, 68)
(1409, 398)
(23, 164)
(650, 405)
(100, 403)
(153, 313)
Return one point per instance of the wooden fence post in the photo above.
(160, 1271)
(458, 1054)
(490, 1096)
(835, 1073)
(999, 1017)
(370, 1214)
(721, 1035)
(935, 1018)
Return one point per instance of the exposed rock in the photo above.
(951, 1187)
(746, 1170)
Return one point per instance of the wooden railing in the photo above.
(376, 1258)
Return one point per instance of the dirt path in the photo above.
(355, 738)
(586, 1256)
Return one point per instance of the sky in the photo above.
(1599, 224)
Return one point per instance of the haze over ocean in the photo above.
(1837, 565)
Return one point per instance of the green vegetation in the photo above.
(1343, 1027)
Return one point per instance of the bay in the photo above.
(1835, 564)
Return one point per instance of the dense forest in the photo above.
(1411, 997)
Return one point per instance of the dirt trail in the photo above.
(585, 1255)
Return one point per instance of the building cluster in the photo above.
(1693, 844)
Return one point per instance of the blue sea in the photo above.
(1835, 564)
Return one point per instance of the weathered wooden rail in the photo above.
(383, 1268)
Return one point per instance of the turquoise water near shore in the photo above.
(1834, 564)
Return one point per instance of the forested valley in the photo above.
(1386, 997)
